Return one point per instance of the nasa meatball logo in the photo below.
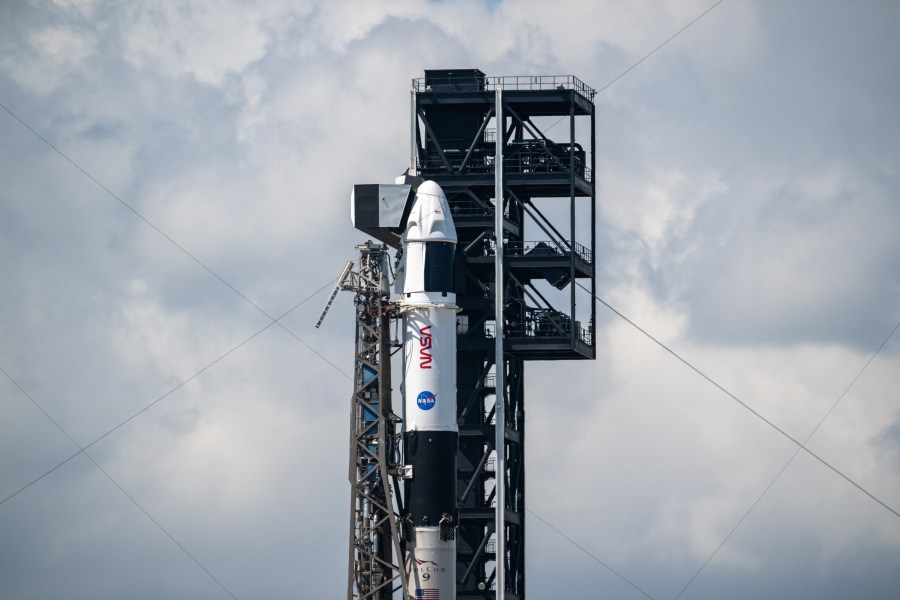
(426, 400)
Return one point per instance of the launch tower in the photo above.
(545, 191)
(548, 202)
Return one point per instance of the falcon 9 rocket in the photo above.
(428, 305)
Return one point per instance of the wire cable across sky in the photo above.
(132, 499)
(157, 400)
(223, 356)
(746, 406)
(786, 464)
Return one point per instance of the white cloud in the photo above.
(187, 38)
(747, 219)
(51, 58)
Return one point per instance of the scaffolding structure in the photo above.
(375, 566)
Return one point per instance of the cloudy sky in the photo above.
(748, 218)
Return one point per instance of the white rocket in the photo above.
(431, 435)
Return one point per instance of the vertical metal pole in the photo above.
(389, 550)
(500, 384)
(593, 323)
(412, 131)
(573, 336)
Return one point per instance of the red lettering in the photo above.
(425, 343)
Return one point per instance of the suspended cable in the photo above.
(164, 396)
(746, 406)
(116, 483)
(168, 237)
(588, 553)
(655, 50)
(786, 465)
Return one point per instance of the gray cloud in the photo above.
(748, 214)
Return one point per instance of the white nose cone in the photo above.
(429, 244)
(430, 220)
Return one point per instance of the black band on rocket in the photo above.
(432, 490)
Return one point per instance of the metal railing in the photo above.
(548, 323)
(470, 208)
(551, 248)
(519, 161)
(544, 323)
(535, 159)
(478, 83)
(547, 248)
(541, 82)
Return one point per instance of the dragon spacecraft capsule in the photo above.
(428, 305)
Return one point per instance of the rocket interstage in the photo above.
(431, 435)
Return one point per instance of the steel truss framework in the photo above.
(375, 568)
(454, 145)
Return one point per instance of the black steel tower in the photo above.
(547, 197)
(520, 186)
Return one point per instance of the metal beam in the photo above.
(499, 363)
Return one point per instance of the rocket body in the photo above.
(431, 434)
